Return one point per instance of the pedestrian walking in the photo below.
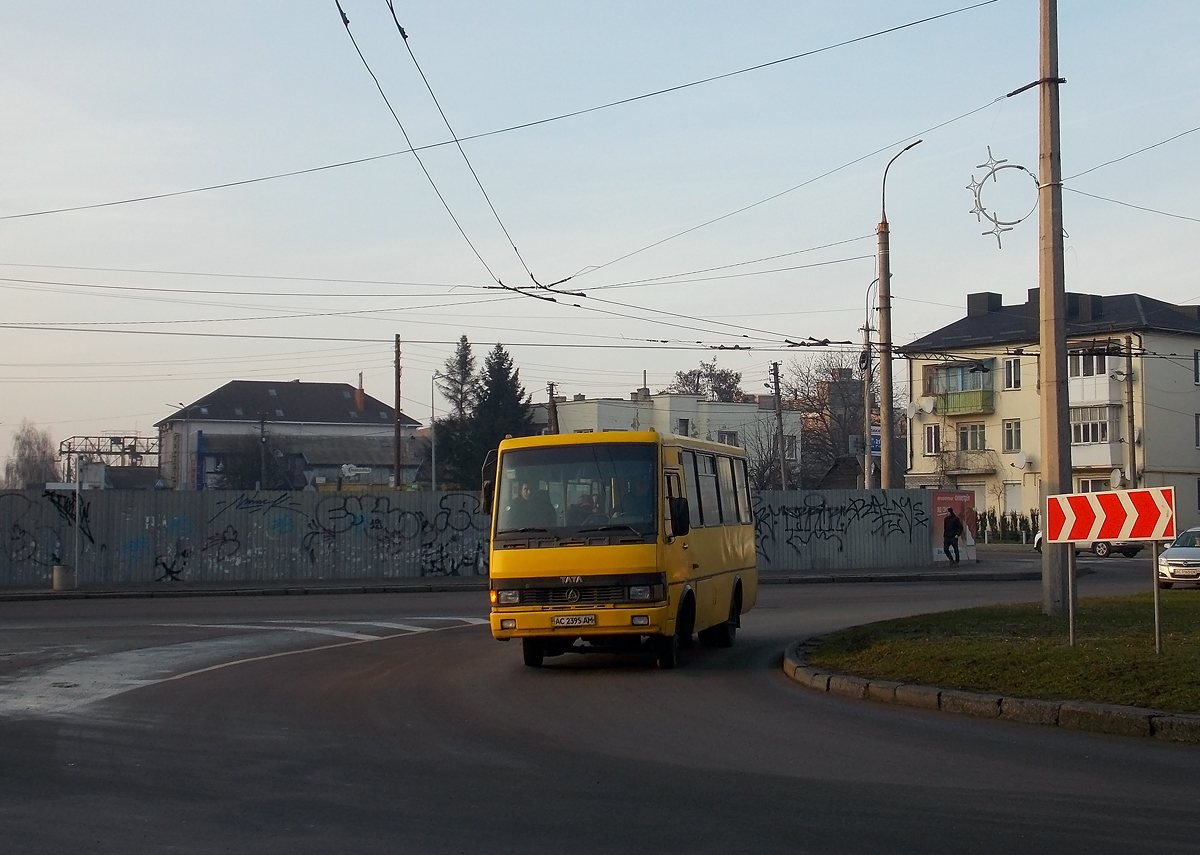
(952, 530)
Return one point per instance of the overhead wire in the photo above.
(458, 144)
(509, 129)
(400, 125)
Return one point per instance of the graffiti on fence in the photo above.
(257, 504)
(25, 538)
(64, 503)
(175, 564)
(222, 544)
(448, 542)
(875, 516)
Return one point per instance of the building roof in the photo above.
(293, 402)
(989, 322)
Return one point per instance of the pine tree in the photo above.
(502, 409)
(458, 379)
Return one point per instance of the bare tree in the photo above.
(827, 389)
(33, 459)
(760, 440)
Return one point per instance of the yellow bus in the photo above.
(619, 541)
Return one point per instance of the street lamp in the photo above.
(885, 333)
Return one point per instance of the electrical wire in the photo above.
(509, 129)
(420, 162)
(1135, 207)
(1131, 154)
(458, 143)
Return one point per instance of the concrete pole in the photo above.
(397, 434)
(433, 432)
(783, 484)
(866, 386)
(1056, 439)
(885, 334)
(552, 411)
(1132, 474)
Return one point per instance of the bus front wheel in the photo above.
(533, 651)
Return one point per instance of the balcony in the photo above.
(968, 462)
(969, 403)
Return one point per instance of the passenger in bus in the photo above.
(531, 509)
(582, 510)
(638, 500)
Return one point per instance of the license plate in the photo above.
(573, 620)
(1186, 574)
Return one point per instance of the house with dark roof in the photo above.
(289, 435)
(1133, 368)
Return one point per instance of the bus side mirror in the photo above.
(489, 490)
(681, 518)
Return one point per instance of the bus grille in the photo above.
(564, 596)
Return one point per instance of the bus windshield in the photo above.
(579, 488)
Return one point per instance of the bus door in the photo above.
(677, 562)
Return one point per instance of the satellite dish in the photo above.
(1116, 479)
(927, 404)
(1022, 460)
(912, 408)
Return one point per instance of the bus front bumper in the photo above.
(650, 619)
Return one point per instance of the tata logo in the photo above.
(572, 596)
(571, 580)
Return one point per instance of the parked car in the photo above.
(1180, 562)
(1102, 548)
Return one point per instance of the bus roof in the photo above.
(596, 437)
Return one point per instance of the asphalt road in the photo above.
(393, 723)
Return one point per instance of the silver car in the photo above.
(1180, 562)
(1102, 548)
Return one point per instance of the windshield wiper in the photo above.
(526, 530)
(613, 527)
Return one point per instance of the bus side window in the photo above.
(728, 499)
(688, 458)
(710, 501)
(745, 510)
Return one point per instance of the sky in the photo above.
(738, 212)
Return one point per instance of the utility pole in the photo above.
(552, 417)
(1130, 437)
(1056, 439)
(865, 363)
(397, 435)
(783, 485)
(885, 334)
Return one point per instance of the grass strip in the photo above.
(1017, 651)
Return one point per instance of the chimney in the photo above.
(360, 397)
(579, 396)
(1033, 313)
(983, 303)
(1091, 308)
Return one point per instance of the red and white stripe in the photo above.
(1147, 514)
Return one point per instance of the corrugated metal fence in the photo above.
(126, 537)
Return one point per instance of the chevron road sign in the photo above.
(1147, 514)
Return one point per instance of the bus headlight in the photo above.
(641, 620)
(639, 592)
(508, 623)
(509, 598)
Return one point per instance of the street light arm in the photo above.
(883, 187)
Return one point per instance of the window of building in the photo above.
(1094, 485)
(1012, 373)
(789, 446)
(272, 392)
(933, 439)
(585, 430)
(1197, 430)
(1085, 364)
(728, 437)
(683, 427)
(237, 411)
(971, 437)
(1012, 434)
(1092, 425)
(1196, 367)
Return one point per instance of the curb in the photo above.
(1074, 715)
(169, 589)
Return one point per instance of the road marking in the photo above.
(72, 686)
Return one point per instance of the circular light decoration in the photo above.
(980, 210)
